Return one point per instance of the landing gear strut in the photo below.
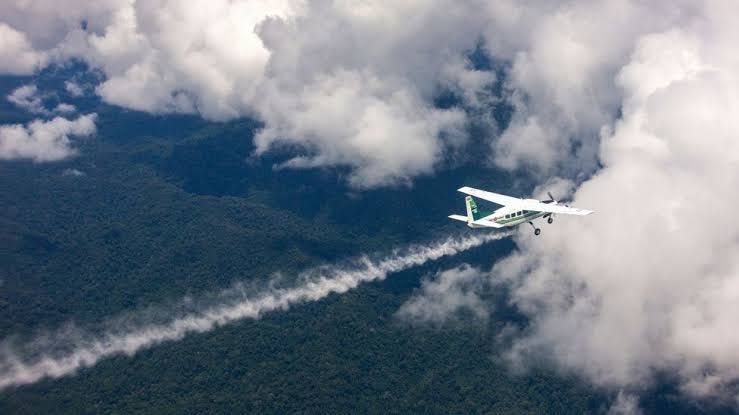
(537, 231)
(550, 218)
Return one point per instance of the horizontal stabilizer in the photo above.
(482, 223)
(458, 217)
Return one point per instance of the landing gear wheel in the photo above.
(550, 220)
(536, 230)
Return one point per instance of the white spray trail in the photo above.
(314, 284)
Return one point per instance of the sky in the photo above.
(629, 108)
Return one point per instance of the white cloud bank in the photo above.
(353, 83)
(350, 83)
(43, 358)
(43, 141)
(650, 282)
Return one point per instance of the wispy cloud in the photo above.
(74, 89)
(64, 352)
(447, 295)
(27, 97)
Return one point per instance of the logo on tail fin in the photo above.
(473, 213)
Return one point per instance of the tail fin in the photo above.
(473, 213)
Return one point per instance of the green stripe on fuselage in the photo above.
(530, 214)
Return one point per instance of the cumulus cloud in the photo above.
(395, 135)
(329, 77)
(564, 57)
(43, 141)
(651, 281)
(447, 296)
(354, 92)
(650, 97)
(375, 67)
(17, 55)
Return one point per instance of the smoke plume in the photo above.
(64, 352)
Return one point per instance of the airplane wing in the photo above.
(491, 197)
(527, 204)
(553, 208)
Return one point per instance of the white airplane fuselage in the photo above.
(506, 216)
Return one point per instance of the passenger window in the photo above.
(520, 212)
(507, 216)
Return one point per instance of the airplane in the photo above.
(515, 211)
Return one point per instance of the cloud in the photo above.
(447, 296)
(395, 135)
(72, 173)
(64, 352)
(74, 89)
(43, 141)
(625, 404)
(27, 98)
(17, 55)
(641, 112)
(374, 66)
(354, 85)
(64, 108)
(651, 281)
(564, 57)
(329, 77)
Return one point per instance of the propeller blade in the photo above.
(550, 196)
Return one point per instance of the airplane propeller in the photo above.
(551, 199)
(550, 216)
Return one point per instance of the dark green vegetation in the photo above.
(174, 206)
